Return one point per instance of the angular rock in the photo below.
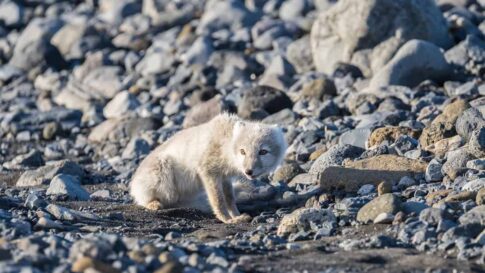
(456, 162)
(476, 145)
(124, 103)
(443, 126)
(470, 120)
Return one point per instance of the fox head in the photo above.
(257, 148)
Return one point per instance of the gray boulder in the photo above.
(368, 33)
(415, 62)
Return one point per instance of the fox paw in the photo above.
(243, 218)
(154, 205)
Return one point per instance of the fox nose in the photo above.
(249, 172)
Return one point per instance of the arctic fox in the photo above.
(203, 161)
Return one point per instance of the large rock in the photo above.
(33, 48)
(386, 203)
(368, 33)
(260, 101)
(44, 174)
(382, 168)
(413, 63)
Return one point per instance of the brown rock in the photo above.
(387, 203)
(319, 89)
(287, 172)
(388, 163)
(384, 187)
(171, 267)
(383, 168)
(441, 147)
(480, 200)
(435, 196)
(390, 134)
(461, 196)
(316, 154)
(83, 263)
(443, 126)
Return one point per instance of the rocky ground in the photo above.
(381, 102)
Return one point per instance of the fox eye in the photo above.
(263, 152)
(242, 152)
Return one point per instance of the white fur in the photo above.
(200, 163)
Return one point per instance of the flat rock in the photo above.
(353, 175)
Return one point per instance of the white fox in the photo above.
(200, 163)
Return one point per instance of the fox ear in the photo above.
(238, 127)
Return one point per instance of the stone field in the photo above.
(382, 103)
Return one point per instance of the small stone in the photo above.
(476, 145)
(286, 172)
(335, 157)
(366, 189)
(384, 187)
(475, 215)
(82, 264)
(476, 164)
(33, 201)
(301, 219)
(136, 148)
(474, 185)
(44, 174)
(64, 184)
(263, 98)
(384, 218)
(480, 200)
(433, 171)
(50, 130)
(386, 203)
(100, 195)
(456, 162)
(122, 104)
(389, 134)
(319, 89)
(31, 159)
